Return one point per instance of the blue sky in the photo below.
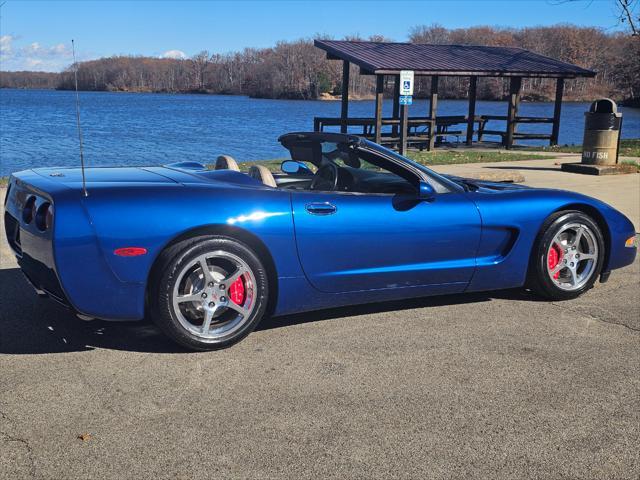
(35, 35)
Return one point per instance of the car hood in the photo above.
(486, 185)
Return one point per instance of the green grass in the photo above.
(4, 181)
(452, 157)
(273, 164)
(634, 163)
(628, 148)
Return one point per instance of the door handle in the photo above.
(318, 208)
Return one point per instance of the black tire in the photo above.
(166, 273)
(539, 277)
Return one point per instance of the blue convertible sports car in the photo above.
(207, 254)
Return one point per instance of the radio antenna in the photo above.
(75, 75)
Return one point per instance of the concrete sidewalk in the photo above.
(620, 191)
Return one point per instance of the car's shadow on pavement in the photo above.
(30, 325)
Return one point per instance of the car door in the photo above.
(352, 241)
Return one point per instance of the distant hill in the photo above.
(298, 70)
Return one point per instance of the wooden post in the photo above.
(433, 107)
(379, 99)
(471, 118)
(404, 116)
(344, 112)
(514, 101)
(555, 132)
(396, 103)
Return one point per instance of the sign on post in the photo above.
(405, 98)
(406, 82)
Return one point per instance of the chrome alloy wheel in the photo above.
(572, 256)
(214, 295)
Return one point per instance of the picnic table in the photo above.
(419, 128)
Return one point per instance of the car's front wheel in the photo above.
(208, 293)
(567, 257)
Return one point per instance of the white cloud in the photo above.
(5, 45)
(60, 48)
(33, 48)
(37, 50)
(33, 63)
(33, 56)
(177, 54)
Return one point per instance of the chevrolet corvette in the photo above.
(207, 254)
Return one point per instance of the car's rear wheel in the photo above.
(208, 293)
(567, 257)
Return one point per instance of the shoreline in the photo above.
(326, 97)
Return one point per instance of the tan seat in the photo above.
(262, 173)
(225, 162)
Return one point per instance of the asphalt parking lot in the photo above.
(496, 385)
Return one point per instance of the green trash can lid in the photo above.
(604, 105)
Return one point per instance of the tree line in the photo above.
(28, 79)
(298, 70)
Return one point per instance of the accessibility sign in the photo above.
(406, 99)
(406, 82)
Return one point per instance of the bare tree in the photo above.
(200, 62)
(629, 14)
(433, 34)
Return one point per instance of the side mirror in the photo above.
(293, 167)
(426, 191)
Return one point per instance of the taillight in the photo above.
(44, 216)
(29, 210)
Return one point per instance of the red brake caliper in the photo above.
(554, 258)
(236, 292)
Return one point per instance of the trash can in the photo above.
(601, 133)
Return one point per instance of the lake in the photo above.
(38, 127)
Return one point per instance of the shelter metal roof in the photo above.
(467, 60)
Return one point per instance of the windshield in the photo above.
(347, 167)
(436, 177)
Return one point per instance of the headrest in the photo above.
(262, 173)
(226, 162)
